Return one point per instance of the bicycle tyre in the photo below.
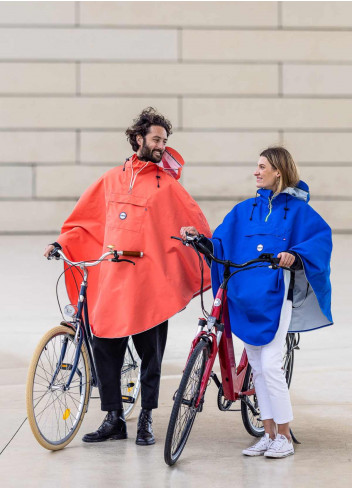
(130, 377)
(183, 412)
(252, 422)
(56, 415)
(289, 357)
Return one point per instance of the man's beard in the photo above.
(146, 154)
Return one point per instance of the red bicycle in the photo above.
(214, 338)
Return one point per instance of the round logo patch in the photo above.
(123, 215)
(217, 302)
(260, 247)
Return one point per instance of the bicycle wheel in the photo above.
(289, 357)
(249, 406)
(184, 411)
(55, 414)
(250, 409)
(130, 378)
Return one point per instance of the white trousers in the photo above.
(268, 377)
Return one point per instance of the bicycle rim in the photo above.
(184, 411)
(130, 378)
(252, 422)
(54, 414)
(251, 419)
(289, 357)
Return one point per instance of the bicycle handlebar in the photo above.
(263, 258)
(58, 254)
(130, 253)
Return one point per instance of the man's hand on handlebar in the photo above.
(48, 250)
(188, 231)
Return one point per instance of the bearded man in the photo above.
(136, 206)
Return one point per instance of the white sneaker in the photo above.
(280, 448)
(260, 447)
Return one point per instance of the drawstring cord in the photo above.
(254, 205)
(124, 165)
(133, 178)
(157, 176)
(270, 206)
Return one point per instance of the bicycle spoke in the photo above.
(56, 410)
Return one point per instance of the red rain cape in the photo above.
(124, 299)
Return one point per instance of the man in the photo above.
(137, 206)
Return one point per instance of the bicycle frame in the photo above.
(221, 343)
(83, 333)
(80, 323)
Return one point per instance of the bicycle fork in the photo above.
(78, 340)
(214, 340)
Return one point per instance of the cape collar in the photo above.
(137, 163)
(300, 192)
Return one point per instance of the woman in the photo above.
(264, 304)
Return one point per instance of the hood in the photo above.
(171, 162)
(300, 192)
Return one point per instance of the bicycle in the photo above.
(214, 337)
(62, 371)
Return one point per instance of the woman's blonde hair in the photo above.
(281, 160)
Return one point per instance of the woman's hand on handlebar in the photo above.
(48, 250)
(188, 230)
(286, 259)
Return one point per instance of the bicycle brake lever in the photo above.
(122, 259)
(54, 254)
(129, 261)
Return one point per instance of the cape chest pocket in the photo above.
(126, 212)
(266, 240)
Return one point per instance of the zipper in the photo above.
(134, 176)
(270, 207)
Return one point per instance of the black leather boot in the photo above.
(145, 435)
(112, 428)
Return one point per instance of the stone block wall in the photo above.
(233, 77)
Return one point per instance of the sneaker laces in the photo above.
(278, 442)
(264, 442)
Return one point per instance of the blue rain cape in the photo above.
(267, 224)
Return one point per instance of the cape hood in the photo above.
(137, 207)
(271, 224)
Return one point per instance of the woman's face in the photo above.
(266, 175)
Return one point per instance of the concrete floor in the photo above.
(321, 396)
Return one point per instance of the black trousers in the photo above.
(109, 354)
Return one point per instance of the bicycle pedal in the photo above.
(66, 366)
(128, 399)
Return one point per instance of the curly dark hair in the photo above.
(148, 117)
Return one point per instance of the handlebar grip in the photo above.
(133, 253)
(275, 261)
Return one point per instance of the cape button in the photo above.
(260, 247)
(123, 215)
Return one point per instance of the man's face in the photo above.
(152, 146)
